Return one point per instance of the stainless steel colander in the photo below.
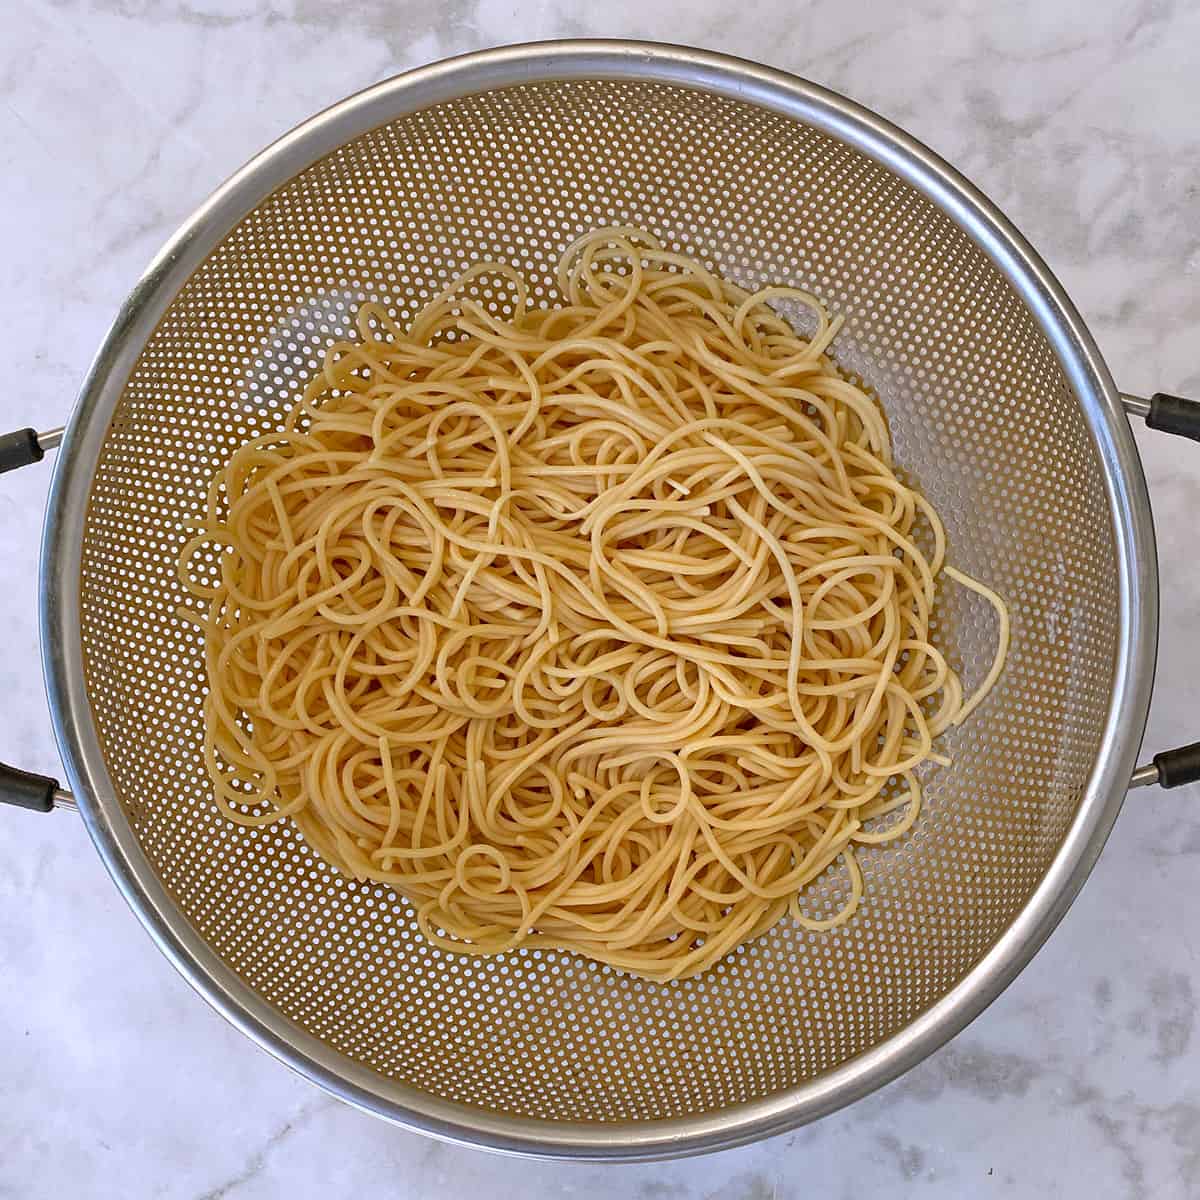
(1001, 408)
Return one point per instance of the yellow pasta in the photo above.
(603, 627)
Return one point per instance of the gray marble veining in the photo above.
(1081, 119)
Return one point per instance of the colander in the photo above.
(1001, 408)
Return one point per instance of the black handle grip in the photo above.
(1174, 414)
(19, 449)
(1177, 767)
(26, 790)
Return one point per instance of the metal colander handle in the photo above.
(1169, 768)
(1168, 414)
(40, 793)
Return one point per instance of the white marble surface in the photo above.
(1081, 119)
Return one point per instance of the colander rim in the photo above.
(738, 79)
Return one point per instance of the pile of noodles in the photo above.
(602, 627)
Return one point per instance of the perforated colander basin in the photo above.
(1001, 411)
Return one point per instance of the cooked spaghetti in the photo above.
(603, 627)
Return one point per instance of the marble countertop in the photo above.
(1081, 119)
